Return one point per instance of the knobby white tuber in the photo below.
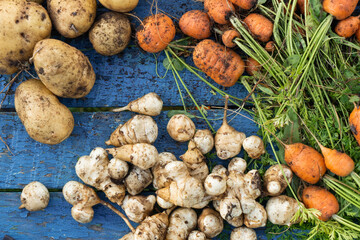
(230, 207)
(142, 155)
(138, 207)
(139, 129)
(93, 170)
(149, 104)
(257, 217)
(215, 183)
(238, 165)
(236, 222)
(220, 169)
(159, 170)
(118, 169)
(202, 204)
(204, 140)
(281, 210)
(181, 128)
(243, 233)
(210, 223)
(274, 180)
(34, 197)
(197, 235)
(163, 204)
(254, 146)
(129, 236)
(182, 221)
(228, 141)
(195, 162)
(137, 180)
(152, 228)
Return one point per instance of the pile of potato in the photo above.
(63, 71)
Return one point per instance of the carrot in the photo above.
(196, 24)
(223, 65)
(347, 27)
(340, 9)
(244, 4)
(229, 36)
(219, 10)
(357, 35)
(156, 32)
(354, 120)
(252, 66)
(301, 5)
(322, 200)
(337, 162)
(270, 46)
(259, 26)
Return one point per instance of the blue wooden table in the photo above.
(120, 79)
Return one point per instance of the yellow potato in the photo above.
(46, 120)
(22, 25)
(111, 33)
(72, 18)
(120, 5)
(63, 69)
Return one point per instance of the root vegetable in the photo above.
(181, 222)
(281, 209)
(301, 5)
(228, 141)
(195, 162)
(163, 204)
(196, 24)
(149, 104)
(137, 180)
(202, 204)
(322, 200)
(222, 65)
(244, 4)
(142, 155)
(120, 6)
(229, 36)
(210, 223)
(274, 181)
(161, 176)
(181, 128)
(198, 170)
(243, 233)
(238, 165)
(138, 207)
(93, 170)
(219, 10)
(252, 66)
(197, 235)
(34, 197)
(118, 169)
(219, 169)
(216, 204)
(347, 27)
(156, 32)
(254, 146)
(215, 183)
(230, 208)
(139, 129)
(270, 46)
(337, 162)
(152, 228)
(129, 236)
(340, 9)
(256, 218)
(354, 118)
(236, 222)
(204, 140)
(259, 26)
(357, 35)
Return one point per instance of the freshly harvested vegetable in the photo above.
(357, 34)
(149, 104)
(23, 24)
(110, 34)
(72, 18)
(340, 9)
(219, 10)
(252, 66)
(236, 222)
(152, 228)
(322, 200)
(197, 235)
(63, 69)
(228, 141)
(139, 129)
(181, 128)
(256, 218)
(244, 4)
(274, 180)
(238, 165)
(270, 46)
(129, 236)
(46, 120)
(93, 170)
(281, 210)
(137, 208)
(163, 204)
(210, 223)
(260, 27)
(254, 146)
(181, 222)
(196, 24)
(120, 6)
(354, 120)
(142, 155)
(222, 65)
(243, 233)
(137, 180)
(204, 140)
(337, 162)
(34, 197)
(37, 1)
(215, 183)
(229, 36)
(347, 27)
(301, 5)
(118, 169)
(156, 32)
(162, 175)
(230, 207)
(195, 162)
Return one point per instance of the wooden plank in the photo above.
(55, 222)
(132, 74)
(54, 165)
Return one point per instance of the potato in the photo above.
(23, 24)
(110, 34)
(72, 18)
(63, 69)
(46, 120)
(120, 5)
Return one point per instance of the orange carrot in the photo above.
(229, 36)
(196, 24)
(259, 26)
(270, 46)
(354, 121)
(337, 162)
(340, 9)
(322, 200)
(301, 5)
(252, 66)
(347, 27)
(156, 32)
(219, 10)
(223, 65)
(244, 4)
(357, 35)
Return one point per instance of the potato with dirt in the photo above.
(23, 24)
(46, 120)
(72, 18)
(63, 69)
(111, 33)
(120, 5)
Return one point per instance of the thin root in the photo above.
(7, 146)
(118, 213)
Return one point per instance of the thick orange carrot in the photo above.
(196, 24)
(340, 9)
(357, 35)
(347, 27)
(354, 121)
(219, 10)
(244, 4)
(259, 26)
(229, 36)
(337, 162)
(270, 46)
